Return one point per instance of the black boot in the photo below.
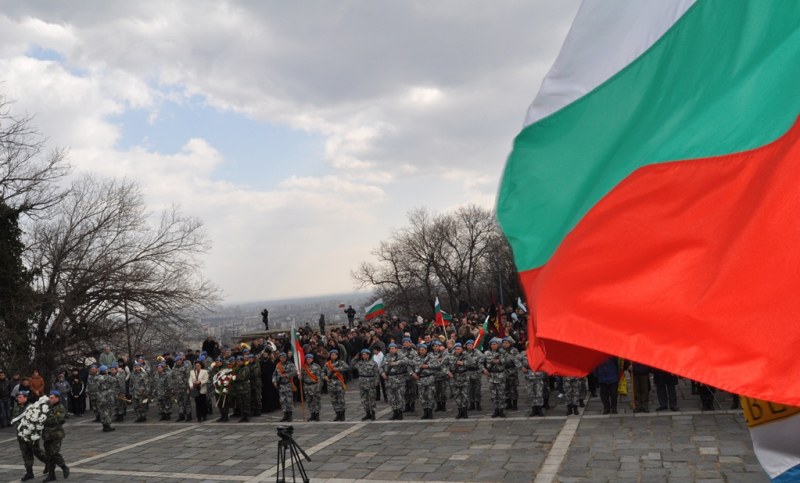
(575, 410)
(513, 404)
(28, 474)
(107, 428)
(508, 403)
(289, 417)
(366, 416)
(502, 413)
(546, 404)
(459, 415)
(180, 418)
(413, 406)
(408, 407)
(581, 404)
(569, 409)
(244, 419)
(399, 415)
(97, 419)
(316, 416)
(285, 415)
(478, 406)
(342, 416)
(539, 411)
(372, 415)
(496, 413)
(65, 470)
(51, 476)
(394, 415)
(533, 411)
(472, 406)
(465, 413)
(444, 405)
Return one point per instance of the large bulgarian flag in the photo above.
(441, 318)
(652, 199)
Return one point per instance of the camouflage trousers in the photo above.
(367, 393)
(139, 407)
(313, 397)
(426, 392)
(440, 389)
(572, 389)
(164, 404)
(535, 383)
(184, 403)
(105, 408)
(395, 391)
(255, 397)
(497, 392)
(52, 453)
(286, 396)
(512, 385)
(460, 390)
(336, 392)
(29, 450)
(120, 406)
(242, 402)
(412, 391)
(474, 389)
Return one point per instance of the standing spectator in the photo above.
(198, 383)
(107, 357)
(210, 347)
(5, 400)
(665, 390)
(37, 384)
(641, 387)
(77, 396)
(321, 323)
(63, 387)
(607, 374)
(351, 315)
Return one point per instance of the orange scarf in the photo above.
(310, 374)
(336, 374)
(283, 374)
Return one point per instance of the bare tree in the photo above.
(101, 265)
(458, 256)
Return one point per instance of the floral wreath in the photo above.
(223, 380)
(31, 421)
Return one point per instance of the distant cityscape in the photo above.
(230, 321)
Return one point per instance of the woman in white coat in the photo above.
(198, 385)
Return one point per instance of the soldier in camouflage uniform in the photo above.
(28, 450)
(535, 381)
(52, 435)
(255, 385)
(474, 359)
(282, 380)
(572, 393)
(512, 373)
(119, 399)
(394, 370)
(459, 365)
(140, 391)
(442, 376)
(494, 363)
(107, 389)
(91, 391)
(409, 352)
(241, 389)
(334, 375)
(312, 386)
(162, 391)
(368, 372)
(425, 370)
(179, 388)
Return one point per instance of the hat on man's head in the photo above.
(55, 392)
(310, 356)
(365, 351)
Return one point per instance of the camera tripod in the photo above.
(287, 443)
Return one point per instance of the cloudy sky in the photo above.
(299, 132)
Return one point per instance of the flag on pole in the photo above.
(775, 430)
(377, 308)
(482, 333)
(442, 318)
(521, 305)
(297, 350)
(651, 199)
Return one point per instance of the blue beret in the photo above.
(365, 351)
(333, 351)
(282, 354)
(103, 368)
(114, 365)
(495, 340)
(239, 358)
(309, 356)
(251, 356)
(406, 339)
(55, 392)
(508, 339)
(231, 359)
(470, 342)
(201, 358)
(161, 365)
(246, 351)
(423, 346)
(457, 344)
(392, 344)
(23, 392)
(93, 365)
(137, 364)
(436, 342)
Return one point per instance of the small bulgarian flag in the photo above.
(297, 349)
(377, 308)
(442, 317)
(482, 333)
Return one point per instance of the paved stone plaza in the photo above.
(671, 446)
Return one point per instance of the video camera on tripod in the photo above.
(287, 442)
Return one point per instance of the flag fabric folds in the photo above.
(375, 309)
(441, 318)
(775, 430)
(651, 199)
(297, 351)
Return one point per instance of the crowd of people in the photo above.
(410, 362)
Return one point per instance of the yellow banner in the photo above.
(758, 412)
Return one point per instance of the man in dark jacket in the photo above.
(5, 400)
(607, 374)
(665, 390)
